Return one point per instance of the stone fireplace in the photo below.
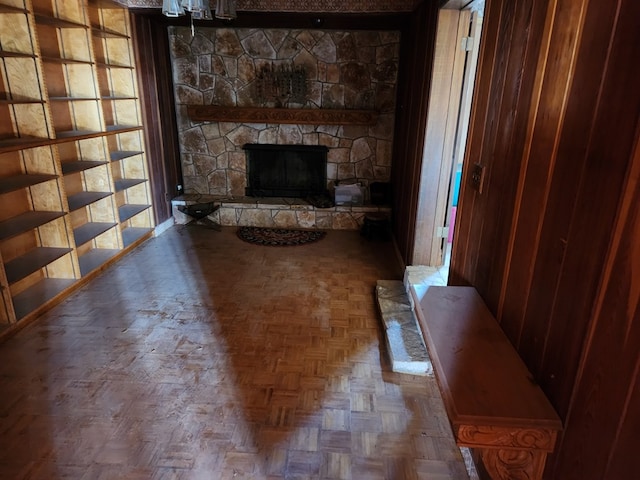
(345, 71)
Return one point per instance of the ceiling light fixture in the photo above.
(200, 9)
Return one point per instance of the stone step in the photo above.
(405, 344)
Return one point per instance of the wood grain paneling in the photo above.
(540, 174)
(156, 95)
(621, 300)
(607, 371)
(417, 48)
(605, 401)
(511, 40)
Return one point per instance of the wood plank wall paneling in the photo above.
(541, 175)
(575, 233)
(505, 136)
(603, 163)
(415, 77)
(158, 109)
(606, 399)
(511, 39)
(608, 371)
(555, 122)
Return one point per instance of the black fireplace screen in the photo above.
(286, 170)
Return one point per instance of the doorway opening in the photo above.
(454, 71)
(470, 21)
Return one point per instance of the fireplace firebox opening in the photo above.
(286, 170)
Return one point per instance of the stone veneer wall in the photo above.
(345, 70)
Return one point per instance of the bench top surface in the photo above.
(482, 377)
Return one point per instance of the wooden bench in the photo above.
(493, 403)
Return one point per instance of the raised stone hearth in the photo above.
(277, 212)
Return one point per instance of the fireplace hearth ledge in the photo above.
(277, 212)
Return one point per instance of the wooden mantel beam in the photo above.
(300, 116)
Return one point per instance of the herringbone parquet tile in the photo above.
(199, 356)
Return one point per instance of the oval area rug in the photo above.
(278, 237)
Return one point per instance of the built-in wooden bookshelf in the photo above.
(73, 173)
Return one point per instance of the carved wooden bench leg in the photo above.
(502, 464)
(508, 453)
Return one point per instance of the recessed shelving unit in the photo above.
(73, 176)
(118, 92)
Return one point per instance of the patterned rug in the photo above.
(278, 237)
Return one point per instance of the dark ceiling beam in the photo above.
(346, 21)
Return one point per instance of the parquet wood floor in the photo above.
(199, 356)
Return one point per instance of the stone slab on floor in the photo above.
(405, 344)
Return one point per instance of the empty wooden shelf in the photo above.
(83, 199)
(94, 259)
(80, 166)
(25, 265)
(17, 182)
(89, 231)
(25, 222)
(125, 183)
(120, 155)
(126, 212)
